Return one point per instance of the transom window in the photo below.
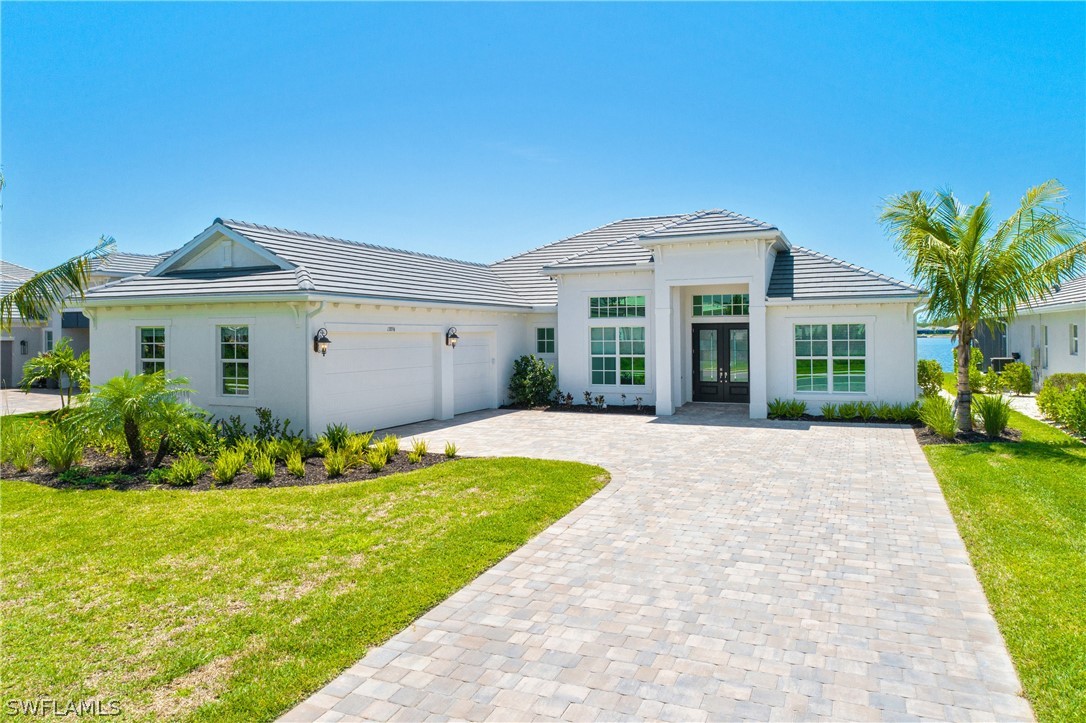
(152, 349)
(234, 360)
(615, 307)
(831, 356)
(618, 355)
(722, 305)
(544, 340)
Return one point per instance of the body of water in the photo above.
(939, 348)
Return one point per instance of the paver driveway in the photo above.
(732, 569)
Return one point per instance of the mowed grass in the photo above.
(234, 605)
(1021, 509)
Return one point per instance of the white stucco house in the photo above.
(703, 307)
(28, 337)
(1047, 331)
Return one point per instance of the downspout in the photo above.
(309, 382)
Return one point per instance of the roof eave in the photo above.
(595, 268)
(881, 299)
(769, 234)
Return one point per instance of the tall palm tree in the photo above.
(48, 290)
(976, 270)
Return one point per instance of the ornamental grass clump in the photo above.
(420, 446)
(938, 415)
(994, 413)
(228, 465)
(186, 469)
(450, 450)
(335, 464)
(391, 443)
(377, 458)
(62, 446)
(20, 445)
(295, 464)
(263, 467)
(787, 409)
(831, 411)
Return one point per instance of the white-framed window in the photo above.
(618, 355)
(830, 357)
(616, 307)
(544, 340)
(48, 340)
(234, 360)
(152, 349)
(721, 305)
(1044, 346)
(1072, 332)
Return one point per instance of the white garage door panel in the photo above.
(380, 380)
(473, 373)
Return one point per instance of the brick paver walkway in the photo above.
(731, 570)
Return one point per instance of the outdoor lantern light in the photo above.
(321, 341)
(451, 338)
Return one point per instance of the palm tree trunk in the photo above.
(163, 448)
(135, 444)
(965, 394)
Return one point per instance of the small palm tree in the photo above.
(132, 404)
(975, 270)
(56, 364)
(48, 290)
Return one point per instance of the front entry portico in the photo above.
(721, 362)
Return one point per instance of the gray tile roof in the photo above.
(522, 271)
(1072, 291)
(715, 221)
(120, 263)
(618, 253)
(322, 264)
(802, 275)
(12, 276)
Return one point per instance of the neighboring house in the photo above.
(709, 306)
(1047, 332)
(29, 338)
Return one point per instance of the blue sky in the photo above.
(478, 131)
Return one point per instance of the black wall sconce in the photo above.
(321, 341)
(451, 338)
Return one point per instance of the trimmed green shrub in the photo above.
(62, 446)
(533, 381)
(228, 465)
(993, 382)
(186, 469)
(1072, 410)
(929, 375)
(938, 415)
(295, 464)
(994, 412)
(787, 409)
(263, 468)
(1018, 377)
(1052, 391)
(450, 450)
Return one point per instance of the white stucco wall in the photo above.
(34, 337)
(278, 349)
(891, 350)
(1024, 334)
(574, 336)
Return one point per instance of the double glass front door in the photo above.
(721, 363)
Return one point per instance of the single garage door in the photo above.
(379, 380)
(473, 373)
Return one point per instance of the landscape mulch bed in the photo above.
(925, 436)
(98, 464)
(648, 410)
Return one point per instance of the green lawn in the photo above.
(1021, 509)
(234, 605)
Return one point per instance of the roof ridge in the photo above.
(583, 233)
(319, 237)
(854, 267)
(609, 244)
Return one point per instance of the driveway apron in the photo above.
(732, 569)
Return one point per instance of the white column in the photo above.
(443, 378)
(665, 405)
(758, 357)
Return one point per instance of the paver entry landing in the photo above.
(731, 570)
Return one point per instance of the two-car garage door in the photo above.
(385, 379)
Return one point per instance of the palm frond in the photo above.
(46, 291)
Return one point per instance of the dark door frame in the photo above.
(722, 389)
